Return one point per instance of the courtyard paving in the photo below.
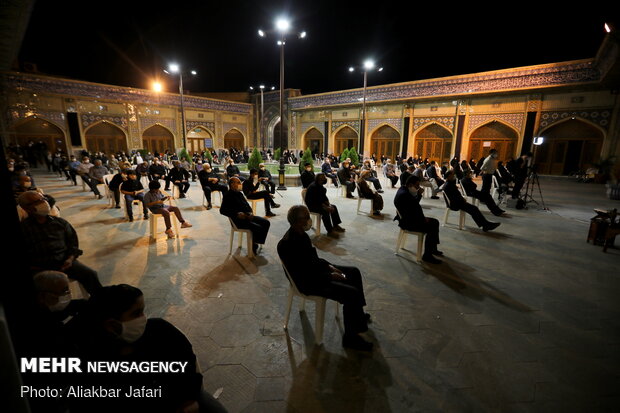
(525, 318)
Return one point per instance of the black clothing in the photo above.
(316, 200)
(307, 177)
(251, 191)
(457, 202)
(470, 189)
(179, 174)
(312, 276)
(344, 177)
(209, 186)
(157, 172)
(412, 218)
(269, 181)
(234, 202)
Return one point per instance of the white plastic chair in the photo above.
(360, 199)
(204, 198)
(153, 218)
(108, 192)
(445, 218)
(402, 239)
(319, 317)
(248, 234)
(315, 216)
(472, 200)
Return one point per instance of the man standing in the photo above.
(52, 242)
(315, 276)
(411, 218)
(488, 168)
(235, 207)
(520, 173)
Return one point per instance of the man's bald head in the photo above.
(27, 199)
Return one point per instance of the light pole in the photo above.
(282, 27)
(262, 115)
(367, 66)
(174, 68)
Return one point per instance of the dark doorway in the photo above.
(571, 164)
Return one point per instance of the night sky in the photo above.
(128, 43)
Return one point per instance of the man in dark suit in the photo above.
(179, 176)
(431, 172)
(345, 177)
(405, 175)
(235, 207)
(264, 176)
(156, 170)
(520, 173)
(457, 202)
(233, 170)
(328, 171)
(470, 188)
(250, 189)
(315, 276)
(307, 176)
(210, 181)
(411, 218)
(316, 200)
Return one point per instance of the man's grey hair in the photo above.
(44, 280)
(295, 212)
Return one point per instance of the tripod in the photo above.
(532, 181)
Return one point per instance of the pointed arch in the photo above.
(106, 137)
(271, 133)
(385, 140)
(344, 137)
(198, 139)
(493, 134)
(434, 141)
(234, 138)
(569, 145)
(312, 138)
(158, 138)
(37, 128)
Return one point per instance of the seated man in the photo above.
(157, 170)
(346, 177)
(236, 207)
(328, 171)
(210, 181)
(307, 176)
(251, 191)
(142, 170)
(315, 276)
(72, 168)
(264, 176)
(425, 182)
(411, 218)
(521, 169)
(470, 189)
(457, 202)
(372, 176)
(52, 242)
(97, 172)
(155, 202)
(83, 169)
(367, 193)
(179, 177)
(390, 173)
(232, 170)
(115, 328)
(431, 172)
(406, 174)
(316, 199)
(132, 189)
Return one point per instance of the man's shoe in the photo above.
(437, 252)
(430, 259)
(146, 216)
(355, 342)
(254, 248)
(209, 207)
(380, 191)
(99, 196)
(186, 224)
(339, 228)
(434, 197)
(491, 226)
(270, 214)
(170, 233)
(351, 197)
(377, 213)
(182, 195)
(499, 213)
(130, 219)
(333, 234)
(118, 207)
(275, 206)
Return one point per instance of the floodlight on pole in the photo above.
(174, 68)
(282, 25)
(607, 28)
(368, 65)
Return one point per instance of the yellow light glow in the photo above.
(157, 87)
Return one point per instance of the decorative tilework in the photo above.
(39, 84)
(19, 113)
(548, 75)
(447, 121)
(241, 126)
(355, 124)
(307, 125)
(513, 119)
(191, 124)
(600, 117)
(397, 123)
(293, 129)
(533, 103)
(89, 119)
(169, 123)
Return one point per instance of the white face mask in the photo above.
(133, 329)
(27, 184)
(308, 225)
(42, 209)
(63, 302)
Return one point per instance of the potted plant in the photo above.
(255, 159)
(306, 158)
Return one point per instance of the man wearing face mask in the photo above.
(52, 242)
(116, 328)
(307, 176)
(411, 218)
(315, 276)
(115, 186)
(210, 181)
(266, 179)
(251, 191)
(157, 170)
(317, 201)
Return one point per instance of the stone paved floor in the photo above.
(526, 318)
